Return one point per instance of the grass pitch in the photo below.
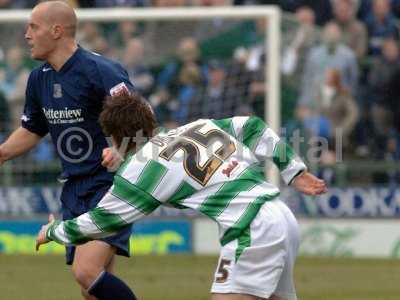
(189, 278)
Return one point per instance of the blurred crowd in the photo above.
(348, 76)
(340, 64)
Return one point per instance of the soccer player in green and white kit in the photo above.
(210, 166)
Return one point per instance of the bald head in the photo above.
(58, 13)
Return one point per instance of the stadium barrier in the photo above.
(338, 237)
(331, 227)
(372, 202)
(333, 238)
(157, 237)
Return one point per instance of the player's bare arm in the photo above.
(19, 142)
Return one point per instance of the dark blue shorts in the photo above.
(81, 194)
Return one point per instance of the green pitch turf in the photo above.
(189, 278)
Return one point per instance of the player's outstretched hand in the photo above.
(111, 159)
(41, 237)
(308, 184)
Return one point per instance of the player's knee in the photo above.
(85, 275)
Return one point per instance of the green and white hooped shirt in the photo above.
(211, 166)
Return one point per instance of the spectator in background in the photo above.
(336, 103)
(161, 37)
(217, 99)
(321, 8)
(189, 81)
(13, 82)
(364, 7)
(396, 8)
(391, 95)
(250, 65)
(296, 127)
(17, 3)
(256, 54)
(256, 65)
(91, 36)
(13, 68)
(383, 69)
(381, 103)
(4, 117)
(238, 77)
(163, 107)
(126, 31)
(5, 4)
(87, 34)
(383, 141)
(333, 115)
(305, 38)
(101, 46)
(217, 26)
(181, 78)
(106, 39)
(257, 91)
(354, 33)
(381, 24)
(137, 71)
(332, 53)
(211, 99)
(187, 54)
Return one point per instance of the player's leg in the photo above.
(90, 260)
(89, 269)
(109, 269)
(87, 265)
(286, 287)
(251, 266)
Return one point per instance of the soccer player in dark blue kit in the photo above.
(64, 97)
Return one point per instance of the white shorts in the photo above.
(261, 263)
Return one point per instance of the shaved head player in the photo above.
(64, 97)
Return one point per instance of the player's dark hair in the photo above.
(127, 115)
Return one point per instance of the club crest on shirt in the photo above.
(57, 90)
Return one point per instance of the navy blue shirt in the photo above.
(67, 105)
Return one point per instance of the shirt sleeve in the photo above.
(122, 205)
(33, 118)
(265, 144)
(110, 77)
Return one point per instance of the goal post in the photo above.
(272, 40)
